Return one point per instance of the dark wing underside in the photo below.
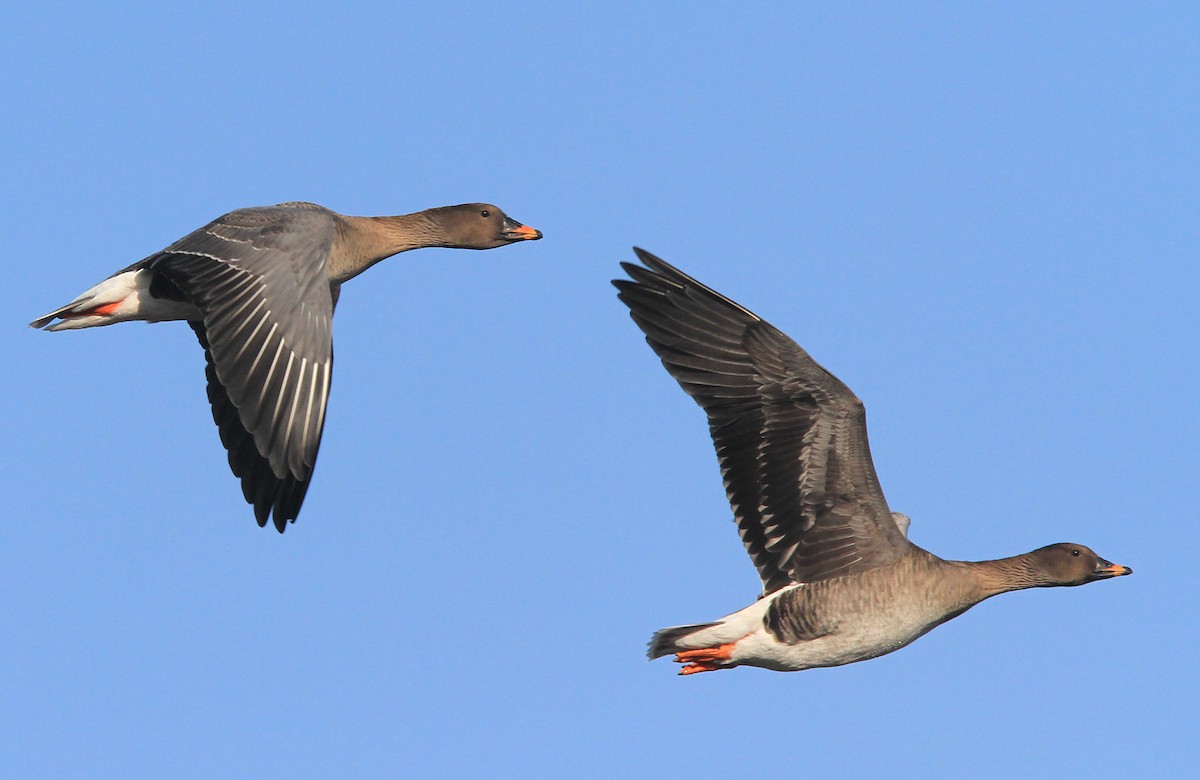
(790, 437)
(259, 278)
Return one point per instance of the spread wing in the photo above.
(790, 437)
(259, 277)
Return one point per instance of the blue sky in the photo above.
(983, 219)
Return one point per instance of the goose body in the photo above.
(259, 286)
(841, 580)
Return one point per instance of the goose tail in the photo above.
(665, 641)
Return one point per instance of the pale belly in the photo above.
(868, 632)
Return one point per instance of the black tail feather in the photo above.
(663, 641)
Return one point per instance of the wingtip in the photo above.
(653, 261)
(656, 270)
(643, 255)
(638, 274)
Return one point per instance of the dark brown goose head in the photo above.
(480, 226)
(1071, 564)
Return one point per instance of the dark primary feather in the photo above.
(259, 278)
(263, 488)
(790, 437)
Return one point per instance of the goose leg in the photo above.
(705, 659)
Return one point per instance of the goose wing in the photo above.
(790, 437)
(260, 280)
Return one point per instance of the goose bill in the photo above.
(1106, 570)
(515, 231)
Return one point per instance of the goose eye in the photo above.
(485, 213)
(1075, 553)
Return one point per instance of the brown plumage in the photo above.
(841, 580)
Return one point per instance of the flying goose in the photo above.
(259, 286)
(841, 581)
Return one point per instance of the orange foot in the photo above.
(702, 660)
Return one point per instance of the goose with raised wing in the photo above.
(841, 582)
(259, 286)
